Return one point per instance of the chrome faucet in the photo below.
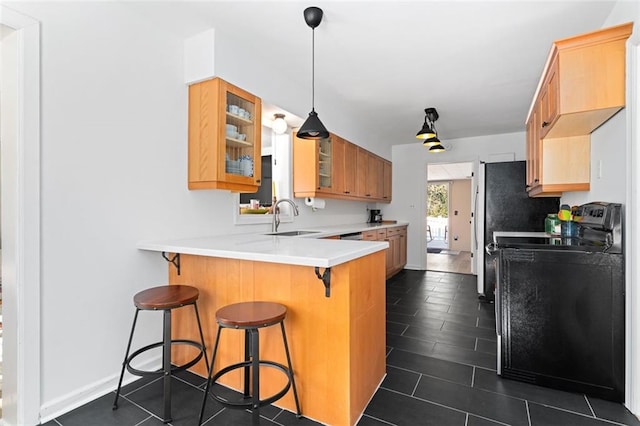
(276, 212)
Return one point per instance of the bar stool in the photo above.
(250, 317)
(164, 298)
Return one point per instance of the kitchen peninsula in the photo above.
(335, 294)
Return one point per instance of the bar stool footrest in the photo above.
(249, 404)
(174, 368)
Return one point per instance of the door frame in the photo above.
(20, 229)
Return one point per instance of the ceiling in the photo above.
(379, 64)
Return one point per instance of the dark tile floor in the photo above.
(441, 358)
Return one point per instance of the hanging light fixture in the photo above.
(437, 148)
(431, 141)
(313, 128)
(279, 125)
(428, 130)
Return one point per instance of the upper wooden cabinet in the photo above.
(583, 85)
(224, 137)
(348, 172)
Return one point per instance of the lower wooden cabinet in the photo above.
(396, 255)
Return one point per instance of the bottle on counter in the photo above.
(552, 224)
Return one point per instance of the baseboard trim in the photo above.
(62, 405)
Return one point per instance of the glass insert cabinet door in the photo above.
(224, 137)
(325, 157)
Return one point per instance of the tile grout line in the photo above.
(416, 386)
(590, 407)
(139, 423)
(526, 405)
(473, 376)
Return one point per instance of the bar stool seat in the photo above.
(251, 316)
(164, 298)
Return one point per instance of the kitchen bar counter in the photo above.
(306, 249)
(337, 343)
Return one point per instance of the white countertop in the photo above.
(305, 250)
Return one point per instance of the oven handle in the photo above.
(498, 313)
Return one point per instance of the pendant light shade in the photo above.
(431, 141)
(437, 148)
(313, 128)
(428, 130)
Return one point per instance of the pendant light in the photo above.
(428, 130)
(313, 128)
(437, 148)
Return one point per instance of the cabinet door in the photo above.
(375, 178)
(305, 167)
(325, 164)
(393, 254)
(390, 255)
(534, 151)
(386, 176)
(362, 162)
(350, 168)
(549, 100)
(403, 248)
(338, 164)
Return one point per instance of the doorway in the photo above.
(449, 213)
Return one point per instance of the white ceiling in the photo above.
(383, 62)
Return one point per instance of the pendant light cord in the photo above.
(313, 66)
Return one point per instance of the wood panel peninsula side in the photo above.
(337, 343)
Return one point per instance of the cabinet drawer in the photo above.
(381, 233)
(394, 231)
(370, 235)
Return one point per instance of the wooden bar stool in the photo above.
(164, 298)
(250, 317)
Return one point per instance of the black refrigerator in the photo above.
(506, 206)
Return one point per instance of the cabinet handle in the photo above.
(347, 192)
(544, 124)
(258, 180)
(536, 180)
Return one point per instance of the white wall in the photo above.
(410, 176)
(608, 165)
(114, 152)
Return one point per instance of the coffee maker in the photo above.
(375, 216)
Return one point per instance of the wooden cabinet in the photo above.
(337, 168)
(224, 137)
(396, 254)
(582, 87)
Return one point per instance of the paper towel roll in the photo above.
(314, 203)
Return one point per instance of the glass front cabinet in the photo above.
(224, 137)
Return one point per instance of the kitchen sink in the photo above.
(292, 233)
